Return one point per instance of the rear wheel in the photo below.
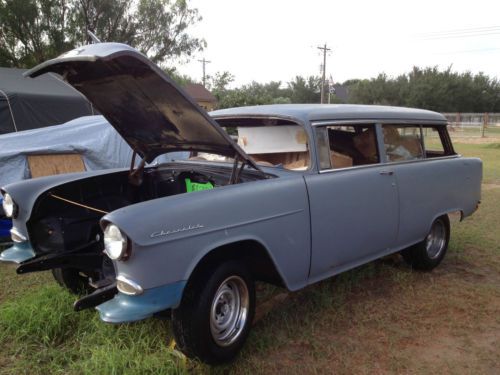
(216, 312)
(427, 254)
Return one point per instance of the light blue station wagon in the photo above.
(287, 194)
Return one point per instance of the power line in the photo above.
(460, 31)
(459, 36)
(325, 50)
(470, 51)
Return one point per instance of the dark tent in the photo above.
(27, 103)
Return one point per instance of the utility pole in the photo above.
(325, 50)
(204, 62)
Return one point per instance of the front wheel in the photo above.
(427, 254)
(216, 313)
(72, 280)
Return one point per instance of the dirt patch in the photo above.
(451, 353)
(272, 303)
(490, 186)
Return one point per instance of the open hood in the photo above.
(140, 101)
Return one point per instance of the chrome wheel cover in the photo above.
(436, 240)
(229, 311)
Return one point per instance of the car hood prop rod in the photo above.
(78, 204)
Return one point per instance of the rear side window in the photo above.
(402, 143)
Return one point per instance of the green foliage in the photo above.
(300, 90)
(305, 90)
(429, 88)
(180, 79)
(32, 31)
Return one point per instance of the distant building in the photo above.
(201, 95)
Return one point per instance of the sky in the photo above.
(276, 40)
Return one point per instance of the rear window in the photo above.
(414, 142)
(402, 143)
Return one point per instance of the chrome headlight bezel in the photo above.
(115, 243)
(9, 206)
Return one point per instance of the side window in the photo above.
(402, 143)
(437, 142)
(347, 146)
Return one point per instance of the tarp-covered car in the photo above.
(302, 193)
(32, 104)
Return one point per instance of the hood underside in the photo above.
(140, 101)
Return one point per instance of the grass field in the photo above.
(379, 318)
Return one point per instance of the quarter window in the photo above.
(402, 143)
(437, 141)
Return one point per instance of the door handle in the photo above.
(386, 173)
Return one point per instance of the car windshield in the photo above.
(284, 146)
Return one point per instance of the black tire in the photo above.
(71, 279)
(194, 323)
(427, 254)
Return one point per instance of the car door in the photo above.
(353, 200)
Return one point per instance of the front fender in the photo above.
(170, 235)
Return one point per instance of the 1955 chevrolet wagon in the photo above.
(287, 194)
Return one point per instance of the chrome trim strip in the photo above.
(16, 236)
(365, 166)
(138, 289)
(390, 163)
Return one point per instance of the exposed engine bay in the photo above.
(64, 226)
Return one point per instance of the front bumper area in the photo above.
(18, 253)
(124, 308)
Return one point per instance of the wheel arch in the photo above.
(447, 214)
(251, 251)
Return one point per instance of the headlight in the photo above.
(115, 242)
(9, 207)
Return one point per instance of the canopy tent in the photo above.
(27, 103)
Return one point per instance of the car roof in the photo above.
(322, 112)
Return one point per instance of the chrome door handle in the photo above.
(386, 173)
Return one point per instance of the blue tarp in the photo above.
(100, 146)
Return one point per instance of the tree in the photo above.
(305, 90)
(254, 94)
(219, 82)
(430, 88)
(32, 31)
